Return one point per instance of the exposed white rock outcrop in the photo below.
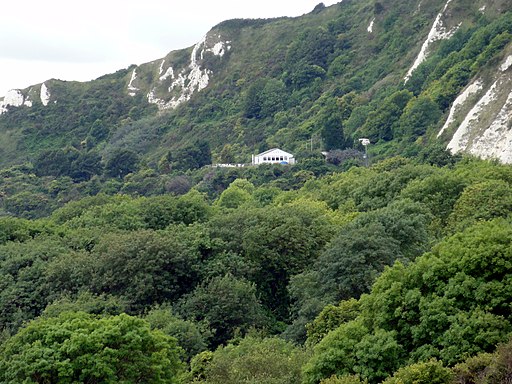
(459, 102)
(437, 32)
(13, 98)
(370, 27)
(496, 141)
(486, 130)
(461, 138)
(132, 90)
(507, 64)
(175, 86)
(44, 94)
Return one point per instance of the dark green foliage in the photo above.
(382, 122)
(228, 305)
(193, 156)
(277, 242)
(332, 129)
(79, 165)
(264, 98)
(121, 163)
(25, 288)
(358, 254)
(486, 368)
(189, 335)
(161, 266)
(86, 165)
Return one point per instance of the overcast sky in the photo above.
(83, 40)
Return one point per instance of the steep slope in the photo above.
(403, 74)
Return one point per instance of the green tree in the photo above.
(86, 165)
(481, 201)
(419, 115)
(147, 267)
(229, 305)
(352, 349)
(332, 132)
(331, 318)
(253, 360)
(345, 379)
(121, 163)
(382, 121)
(77, 347)
(193, 156)
(190, 335)
(430, 372)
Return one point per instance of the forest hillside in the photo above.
(128, 255)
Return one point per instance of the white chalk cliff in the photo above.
(176, 85)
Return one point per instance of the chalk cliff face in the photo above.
(176, 83)
(482, 117)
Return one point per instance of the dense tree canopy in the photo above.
(76, 347)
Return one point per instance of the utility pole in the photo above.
(365, 143)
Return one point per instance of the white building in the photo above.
(273, 156)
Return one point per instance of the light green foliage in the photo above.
(431, 372)
(77, 347)
(253, 361)
(330, 318)
(474, 369)
(127, 213)
(19, 230)
(481, 201)
(438, 192)
(352, 349)
(345, 379)
(452, 299)
(86, 302)
(234, 196)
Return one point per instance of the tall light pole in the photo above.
(365, 143)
